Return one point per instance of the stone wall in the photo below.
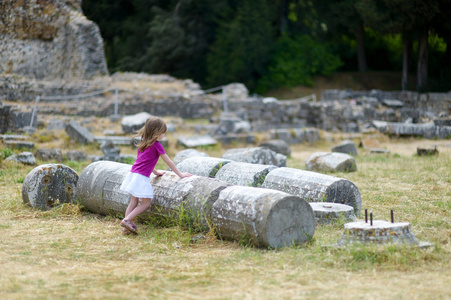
(51, 40)
(434, 102)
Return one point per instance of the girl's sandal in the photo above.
(128, 225)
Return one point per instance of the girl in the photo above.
(137, 182)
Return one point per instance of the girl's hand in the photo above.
(158, 173)
(185, 175)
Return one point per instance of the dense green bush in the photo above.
(295, 61)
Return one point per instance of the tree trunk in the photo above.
(360, 37)
(422, 68)
(283, 15)
(406, 53)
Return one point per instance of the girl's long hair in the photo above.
(150, 132)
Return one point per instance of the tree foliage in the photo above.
(273, 43)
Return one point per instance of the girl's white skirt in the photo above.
(137, 185)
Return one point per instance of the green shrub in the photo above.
(295, 61)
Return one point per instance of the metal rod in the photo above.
(34, 110)
(371, 219)
(391, 215)
(116, 101)
(366, 215)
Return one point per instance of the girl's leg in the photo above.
(131, 206)
(145, 204)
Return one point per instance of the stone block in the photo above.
(347, 147)
(19, 145)
(79, 134)
(327, 212)
(278, 146)
(49, 154)
(76, 155)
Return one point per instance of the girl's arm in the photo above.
(171, 165)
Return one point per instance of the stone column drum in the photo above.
(202, 166)
(193, 196)
(49, 185)
(314, 187)
(379, 232)
(269, 218)
(244, 174)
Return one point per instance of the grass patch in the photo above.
(70, 253)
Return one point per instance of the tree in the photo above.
(412, 19)
(342, 17)
(243, 44)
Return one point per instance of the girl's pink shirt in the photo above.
(146, 160)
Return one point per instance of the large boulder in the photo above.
(330, 162)
(49, 40)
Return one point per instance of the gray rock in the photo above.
(202, 166)
(347, 147)
(281, 160)
(184, 154)
(110, 151)
(330, 162)
(49, 154)
(26, 158)
(256, 155)
(75, 155)
(392, 103)
(133, 123)
(279, 146)
(49, 185)
(196, 141)
(56, 124)
(78, 133)
(314, 187)
(263, 217)
(244, 174)
(50, 41)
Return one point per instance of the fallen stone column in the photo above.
(244, 174)
(268, 218)
(202, 166)
(98, 189)
(314, 187)
(49, 185)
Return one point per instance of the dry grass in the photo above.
(68, 253)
